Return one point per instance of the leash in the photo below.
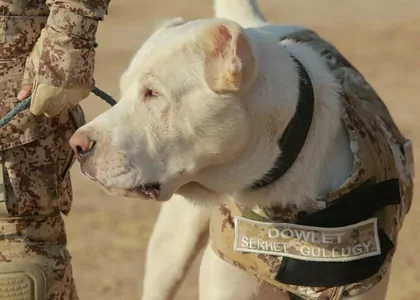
(25, 104)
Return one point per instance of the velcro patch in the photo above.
(308, 243)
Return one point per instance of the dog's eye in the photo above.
(152, 93)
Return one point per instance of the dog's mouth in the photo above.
(149, 190)
(145, 191)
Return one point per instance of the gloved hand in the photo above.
(59, 70)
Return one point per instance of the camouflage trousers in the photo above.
(36, 193)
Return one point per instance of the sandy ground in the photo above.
(108, 235)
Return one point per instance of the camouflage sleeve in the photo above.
(61, 65)
(77, 18)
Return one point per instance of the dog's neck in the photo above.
(324, 162)
(294, 136)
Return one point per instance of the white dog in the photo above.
(203, 106)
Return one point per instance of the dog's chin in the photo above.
(192, 191)
(144, 192)
(147, 191)
(155, 191)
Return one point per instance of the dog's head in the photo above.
(181, 112)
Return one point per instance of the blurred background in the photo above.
(108, 235)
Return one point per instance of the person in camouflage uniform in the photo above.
(47, 49)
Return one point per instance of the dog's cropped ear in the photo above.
(230, 64)
(170, 23)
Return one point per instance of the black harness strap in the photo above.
(356, 206)
(332, 274)
(296, 132)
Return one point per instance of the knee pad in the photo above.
(20, 281)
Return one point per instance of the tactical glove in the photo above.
(61, 65)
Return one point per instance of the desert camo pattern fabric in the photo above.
(35, 155)
(61, 65)
(377, 147)
(67, 44)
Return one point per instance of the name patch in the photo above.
(309, 243)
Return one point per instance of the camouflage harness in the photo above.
(347, 247)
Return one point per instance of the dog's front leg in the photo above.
(179, 233)
(222, 281)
